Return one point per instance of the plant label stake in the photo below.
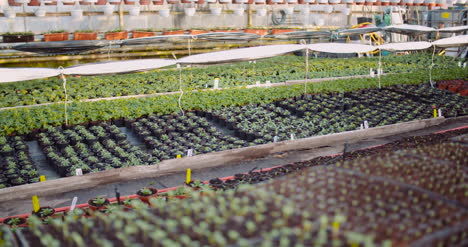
(73, 205)
(257, 83)
(362, 126)
(464, 65)
(79, 172)
(178, 156)
(35, 203)
(292, 137)
(460, 64)
(372, 74)
(216, 83)
(439, 111)
(366, 124)
(344, 150)
(268, 83)
(435, 110)
(117, 195)
(190, 153)
(188, 176)
(42, 178)
(275, 139)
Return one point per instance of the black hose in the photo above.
(275, 19)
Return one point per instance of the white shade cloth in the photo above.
(25, 74)
(408, 29)
(454, 29)
(405, 46)
(118, 67)
(456, 41)
(241, 54)
(340, 48)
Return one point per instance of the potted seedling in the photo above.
(44, 212)
(98, 202)
(174, 31)
(144, 194)
(58, 35)
(140, 33)
(116, 34)
(18, 37)
(85, 35)
(15, 222)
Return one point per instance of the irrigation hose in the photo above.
(380, 67)
(303, 42)
(180, 89)
(62, 76)
(275, 19)
(432, 65)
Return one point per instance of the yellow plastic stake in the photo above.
(35, 202)
(435, 112)
(188, 177)
(42, 178)
(178, 156)
(336, 227)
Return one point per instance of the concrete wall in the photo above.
(58, 17)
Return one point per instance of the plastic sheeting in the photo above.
(64, 47)
(25, 74)
(221, 36)
(408, 29)
(242, 54)
(301, 35)
(157, 39)
(452, 41)
(118, 67)
(355, 31)
(340, 48)
(453, 29)
(406, 46)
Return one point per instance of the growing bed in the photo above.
(331, 202)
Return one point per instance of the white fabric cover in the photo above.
(241, 54)
(340, 48)
(405, 28)
(456, 41)
(118, 67)
(405, 46)
(454, 29)
(25, 74)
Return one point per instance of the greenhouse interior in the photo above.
(207, 122)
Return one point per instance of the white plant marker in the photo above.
(268, 83)
(459, 64)
(257, 83)
(79, 172)
(216, 83)
(190, 152)
(362, 127)
(74, 201)
(275, 139)
(372, 74)
(366, 124)
(464, 65)
(440, 112)
(292, 137)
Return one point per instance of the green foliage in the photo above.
(99, 200)
(24, 120)
(278, 69)
(19, 33)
